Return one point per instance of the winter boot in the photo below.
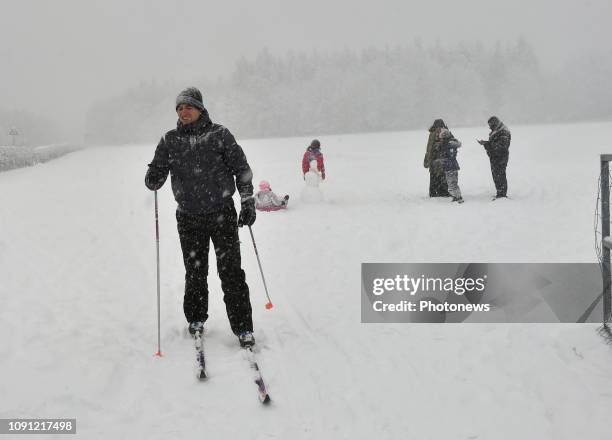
(246, 339)
(458, 199)
(196, 327)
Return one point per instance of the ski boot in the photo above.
(196, 327)
(246, 339)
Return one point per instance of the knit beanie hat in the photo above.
(264, 185)
(190, 96)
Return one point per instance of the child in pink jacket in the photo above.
(313, 152)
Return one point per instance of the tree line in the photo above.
(376, 89)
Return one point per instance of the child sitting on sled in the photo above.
(266, 200)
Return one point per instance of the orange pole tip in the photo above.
(269, 306)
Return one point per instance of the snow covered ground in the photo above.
(78, 295)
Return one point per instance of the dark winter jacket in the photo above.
(448, 152)
(498, 145)
(431, 153)
(203, 159)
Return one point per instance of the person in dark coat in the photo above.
(437, 180)
(498, 150)
(448, 162)
(206, 167)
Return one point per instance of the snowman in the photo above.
(311, 192)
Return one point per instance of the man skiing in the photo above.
(206, 166)
(498, 150)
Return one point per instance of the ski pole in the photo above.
(159, 353)
(269, 304)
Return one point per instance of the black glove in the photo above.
(155, 178)
(247, 213)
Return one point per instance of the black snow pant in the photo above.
(437, 182)
(195, 232)
(498, 170)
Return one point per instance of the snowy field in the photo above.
(78, 295)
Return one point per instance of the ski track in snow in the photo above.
(78, 293)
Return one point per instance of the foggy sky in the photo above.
(57, 57)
